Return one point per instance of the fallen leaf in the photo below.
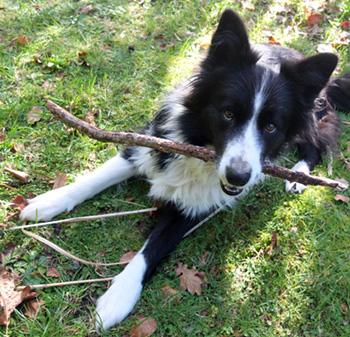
(86, 9)
(168, 291)
(32, 307)
(10, 298)
(273, 41)
(314, 19)
(90, 117)
(127, 257)
(60, 180)
(52, 272)
(345, 25)
(273, 243)
(146, 328)
(20, 40)
(18, 147)
(34, 115)
(344, 307)
(24, 177)
(342, 198)
(189, 279)
(204, 258)
(19, 203)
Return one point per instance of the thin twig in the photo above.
(165, 145)
(59, 284)
(65, 253)
(85, 218)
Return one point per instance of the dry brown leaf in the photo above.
(86, 9)
(18, 174)
(52, 272)
(90, 118)
(127, 257)
(204, 259)
(189, 279)
(342, 198)
(146, 328)
(273, 243)
(34, 115)
(60, 180)
(314, 19)
(18, 147)
(168, 291)
(9, 297)
(33, 306)
(344, 307)
(19, 203)
(20, 40)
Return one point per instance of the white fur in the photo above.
(247, 146)
(46, 206)
(119, 300)
(292, 186)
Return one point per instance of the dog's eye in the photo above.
(270, 127)
(228, 114)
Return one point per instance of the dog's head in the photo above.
(248, 109)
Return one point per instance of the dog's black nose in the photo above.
(238, 173)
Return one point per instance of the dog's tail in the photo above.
(338, 93)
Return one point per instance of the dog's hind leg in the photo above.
(119, 300)
(44, 207)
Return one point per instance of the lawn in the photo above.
(111, 63)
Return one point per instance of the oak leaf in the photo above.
(190, 279)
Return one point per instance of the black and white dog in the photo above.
(246, 102)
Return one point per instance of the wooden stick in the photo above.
(41, 286)
(168, 146)
(86, 218)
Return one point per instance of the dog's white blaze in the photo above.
(120, 298)
(46, 206)
(247, 146)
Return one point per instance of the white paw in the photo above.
(292, 186)
(45, 206)
(119, 300)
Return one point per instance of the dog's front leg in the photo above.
(119, 300)
(44, 207)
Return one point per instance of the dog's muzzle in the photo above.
(230, 190)
(237, 175)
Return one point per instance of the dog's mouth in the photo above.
(230, 190)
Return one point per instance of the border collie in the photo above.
(246, 102)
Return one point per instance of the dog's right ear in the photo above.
(230, 43)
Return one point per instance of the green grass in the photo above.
(301, 289)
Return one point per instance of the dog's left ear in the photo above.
(312, 74)
(230, 44)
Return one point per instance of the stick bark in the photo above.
(168, 146)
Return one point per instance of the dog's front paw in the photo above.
(119, 300)
(45, 206)
(292, 186)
